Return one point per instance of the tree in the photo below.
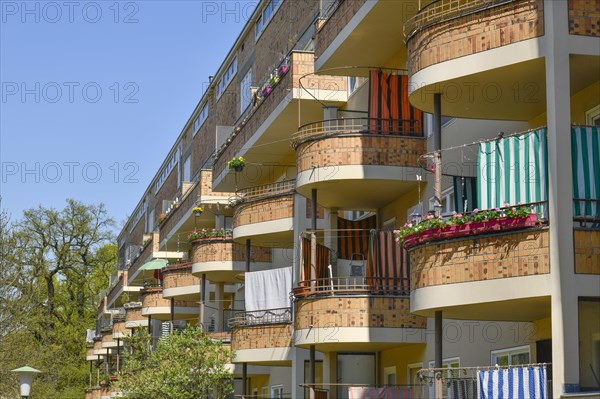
(53, 264)
(184, 365)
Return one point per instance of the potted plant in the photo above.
(197, 210)
(267, 90)
(161, 218)
(237, 163)
(274, 80)
(283, 69)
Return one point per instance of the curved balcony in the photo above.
(265, 214)
(133, 316)
(108, 341)
(119, 331)
(180, 283)
(355, 313)
(468, 276)
(349, 159)
(98, 349)
(222, 260)
(262, 337)
(90, 353)
(158, 307)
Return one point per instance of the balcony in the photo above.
(158, 307)
(222, 260)
(447, 29)
(262, 337)
(180, 283)
(354, 312)
(347, 160)
(108, 341)
(133, 316)
(468, 274)
(265, 214)
(181, 217)
(268, 122)
(119, 330)
(347, 30)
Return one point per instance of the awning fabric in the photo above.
(518, 383)
(585, 157)
(513, 170)
(268, 289)
(154, 264)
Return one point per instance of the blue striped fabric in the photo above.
(512, 383)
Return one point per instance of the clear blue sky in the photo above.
(94, 93)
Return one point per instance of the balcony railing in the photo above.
(444, 10)
(336, 286)
(357, 126)
(261, 317)
(266, 190)
(327, 390)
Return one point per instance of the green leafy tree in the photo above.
(184, 365)
(53, 264)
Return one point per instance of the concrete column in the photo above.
(248, 251)
(219, 298)
(312, 370)
(437, 147)
(565, 340)
(438, 339)
(330, 373)
(244, 379)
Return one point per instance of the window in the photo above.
(150, 221)
(413, 369)
(227, 77)
(354, 82)
(389, 375)
(187, 168)
(266, 15)
(264, 392)
(511, 356)
(138, 215)
(389, 224)
(450, 364)
(592, 117)
(276, 391)
(167, 170)
(447, 201)
(199, 121)
(246, 92)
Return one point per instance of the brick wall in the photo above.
(260, 337)
(137, 234)
(362, 150)
(584, 17)
(152, 297)
(179, 276)
(587, 251)
(133, 314)
(374, 312)
(226, 251)
(476, 32)
(168, 191)
(264, 210)
(146, 251)
(107, 337)
(329, 29)
(119, 327)
(517, 254)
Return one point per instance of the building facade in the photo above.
(358, 121)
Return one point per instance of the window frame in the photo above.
(246, 84)
(227, 77)
(516, 350)
(201, 118)
(263, 20)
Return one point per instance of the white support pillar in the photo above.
(565, 341)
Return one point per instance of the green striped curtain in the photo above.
(512, 170)
(585, 156)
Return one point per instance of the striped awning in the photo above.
(513, 170)
(585, 157)
(513, 383)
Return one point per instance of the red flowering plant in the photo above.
(209, 233)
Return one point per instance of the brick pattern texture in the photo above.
(152, 297)
(264, 210)
(179, 276)
(584, 17)
(133, 314)
(226, 251)
(107, 337)
(476, 32)
(261, 337)
(146, 251)
(328, 30)
(362, 150)
(587, 251)
(373, 312)
(119, 327)
(517, 254)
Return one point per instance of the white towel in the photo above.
(268, 289)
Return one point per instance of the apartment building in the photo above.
(354, 117)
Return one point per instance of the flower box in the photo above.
(267, 90)
(282, 70)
